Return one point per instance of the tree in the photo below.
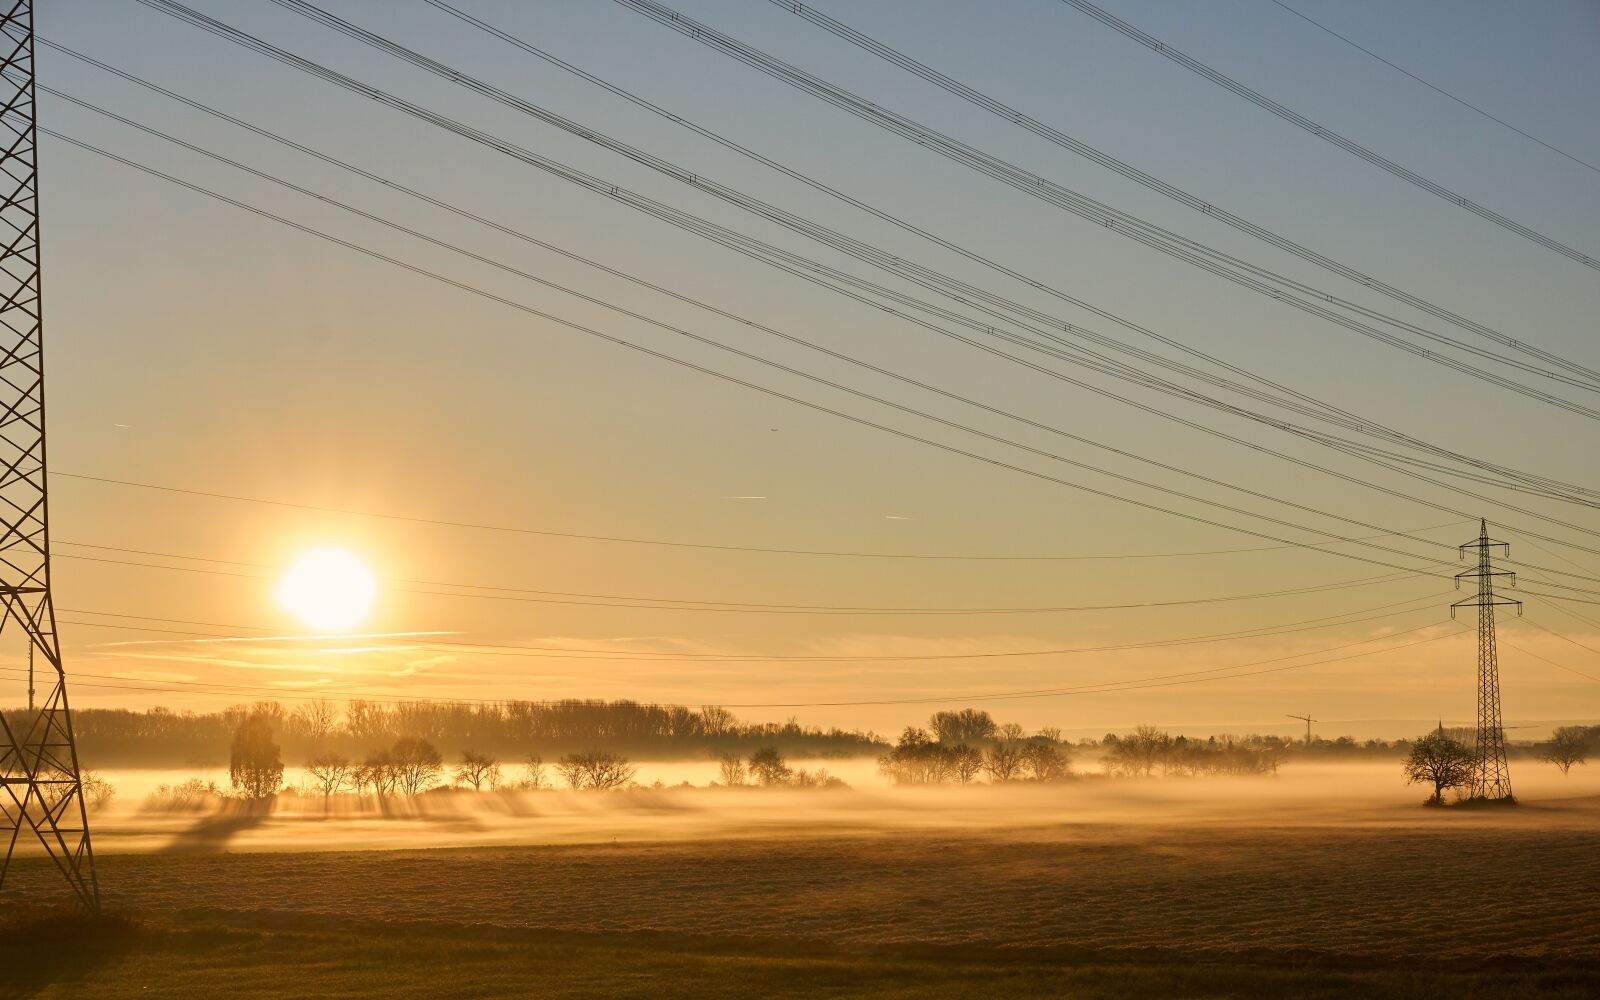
(966, 762)
(730, 768)
(477, 769)
(595, 769)
(917, 760)
(416, 764)
(1003, 762)
(1569, 745)
(768, 768)
(379, 772)
(1044, 762)
(538, 774)
(255, 765)
(316, 719)
(970, 725)
(1440, 761)
(330, 771)
(1011, 732)
(97, 791)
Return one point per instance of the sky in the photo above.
(198, 347)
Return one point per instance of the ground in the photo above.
(1392, 901)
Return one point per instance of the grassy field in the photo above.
(1251, 900)
(121, 957)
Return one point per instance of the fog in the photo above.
(1347, 796)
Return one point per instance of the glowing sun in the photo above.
(328, 589)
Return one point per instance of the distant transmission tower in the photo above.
(38, 755)
(1491, 778)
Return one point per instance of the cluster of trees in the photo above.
(509, 729)
(960, 746)
(767, 768)
(1146, 749)
(1445, 762)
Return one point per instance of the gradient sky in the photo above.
(195, 346)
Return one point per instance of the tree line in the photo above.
(160, 737)
(412, 766)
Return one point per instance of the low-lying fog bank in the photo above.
(1356, 795)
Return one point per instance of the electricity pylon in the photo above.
(38, 754)
(1491, 776)
(1308, 720)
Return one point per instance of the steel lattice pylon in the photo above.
(38, 754)
(1491, 776)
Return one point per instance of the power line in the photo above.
(1300, 121)
(1256, 278)
(819, 407)
(797, 609)
(1127, 170)
(798, 266)
(1387, 612)
(834, 354)
(632, 314)
(1436, 89)
(1145, 683)
(812, 271)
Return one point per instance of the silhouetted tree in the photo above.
(917, 760)
(1569, 745)
(1440, 761)
(768, 768)
(538, 775)
(315, 720)
(376, 772)
(595, 769)
(1003, 762)
(415, 763)
(1044, 762)
(254, 764)
(477, 769)
(969, 725)
(97, 791)
(730, 769)
(330, 771)
(966, 762)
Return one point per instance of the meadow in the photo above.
(1331, 881)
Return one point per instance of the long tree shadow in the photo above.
(41, 948)
(211, 834)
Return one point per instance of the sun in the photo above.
(328, 589)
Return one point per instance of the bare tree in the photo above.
(768, 768)
(730, 769)
(596, 769)
(377, 772)
(477, 769)
(97, 791)
(1011, 732)
(316, 719)
(1044, 762)
(965, 762)
(331, 772)
(717, 721)
(1569, 745)
(1440, 761)
(1003, 762)
(538, 775)
(970, 725)
(416, 764)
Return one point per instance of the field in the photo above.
(1164, 889)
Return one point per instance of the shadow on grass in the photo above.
(211, 834)
(42, 947)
